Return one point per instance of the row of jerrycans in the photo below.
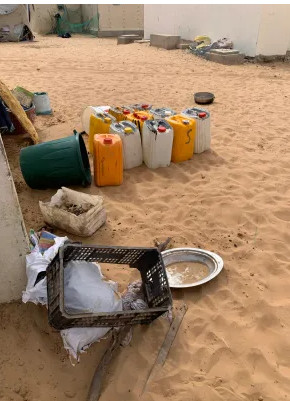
(168, 138)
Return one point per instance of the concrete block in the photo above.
(227, 59)
(224, 51)
(13, 238)
(116, 33)
(183, 46)
(270, 59)
(126, 39)
(167, 42)
(142, 41)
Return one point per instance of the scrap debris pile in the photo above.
(66, 277)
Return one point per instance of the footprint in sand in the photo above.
(283, 214)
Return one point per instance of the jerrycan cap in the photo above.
(108, 140)
(185, 122)
(143, 118)
(107, 119)
(161, 128)
(144, 106)
(202, 115)
(126, 111)
(128, 130)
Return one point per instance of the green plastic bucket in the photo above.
(58, 163)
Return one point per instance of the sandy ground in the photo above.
(234, 341)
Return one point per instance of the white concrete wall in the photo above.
(274, 32)
(254, 29)
(13, 239)
(238, 22)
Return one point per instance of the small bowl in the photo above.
(203, 97)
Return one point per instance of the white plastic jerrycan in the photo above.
(157, 139)
(88, 111)
(162, 112)
(202, 135)
(131, 140)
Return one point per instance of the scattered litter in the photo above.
(133, 298)
(74, 212)
(46, 240)
(202, 45)
(223, 43)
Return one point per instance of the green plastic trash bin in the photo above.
(58, 163)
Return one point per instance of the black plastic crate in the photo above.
(148, 261)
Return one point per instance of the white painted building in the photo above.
(255, 29)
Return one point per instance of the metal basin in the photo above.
(213, 262)
(203, 97)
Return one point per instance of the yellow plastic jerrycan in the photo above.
(99, 124)
(183, 137)
(108, 160)
(139, 117)
(120, 113)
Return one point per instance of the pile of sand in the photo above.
(233, 343)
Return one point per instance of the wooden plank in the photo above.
(115, 343)
(167, 343)
(18, 112)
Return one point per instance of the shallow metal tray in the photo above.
(213, 262)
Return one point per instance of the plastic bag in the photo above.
(35, 264)
(85, 291)
(79, 339)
